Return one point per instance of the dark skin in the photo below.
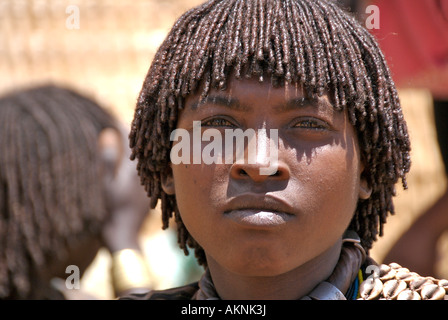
(271, 236)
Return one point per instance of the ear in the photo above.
(365, 190)
(167, 181)
(111, 150)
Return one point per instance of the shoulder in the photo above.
(186, 292)
(394, 282)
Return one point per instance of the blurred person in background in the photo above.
(414, 37)
(67, 189)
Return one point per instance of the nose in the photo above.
(266, 164)
(262, 162)
(242, 171)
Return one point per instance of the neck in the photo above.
(291, 285)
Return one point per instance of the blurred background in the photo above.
(103, 48)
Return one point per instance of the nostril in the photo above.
(255, 172)
(277, 174)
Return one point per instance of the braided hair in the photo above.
(309, 43)
(49, 172)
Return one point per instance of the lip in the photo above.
(259, 211)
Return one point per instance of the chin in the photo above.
(260, 264)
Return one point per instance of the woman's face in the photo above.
(252, 223)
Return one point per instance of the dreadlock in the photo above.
(309, 43)
(49, 171)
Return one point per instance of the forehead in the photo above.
(246, 94)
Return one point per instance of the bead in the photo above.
(408, 294)
(402, 270)
(389, 275)
(432, 292)
(392, 288)
(418, 283)
(406, 276)
(370, 289)
(394, 265)
(384, 269)
(444, 284)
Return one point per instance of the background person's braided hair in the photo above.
(306, 43)
(51, 194)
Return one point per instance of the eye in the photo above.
(311, 123)
(217, 122)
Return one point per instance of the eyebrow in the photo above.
(302, 102)
(234, 104)
(224, 101)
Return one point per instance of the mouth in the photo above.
(256, 211)
(258, 218)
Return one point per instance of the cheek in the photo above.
(198, 188)
(189, 184)
(342, 176)
(330, 183)
(327, 195)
